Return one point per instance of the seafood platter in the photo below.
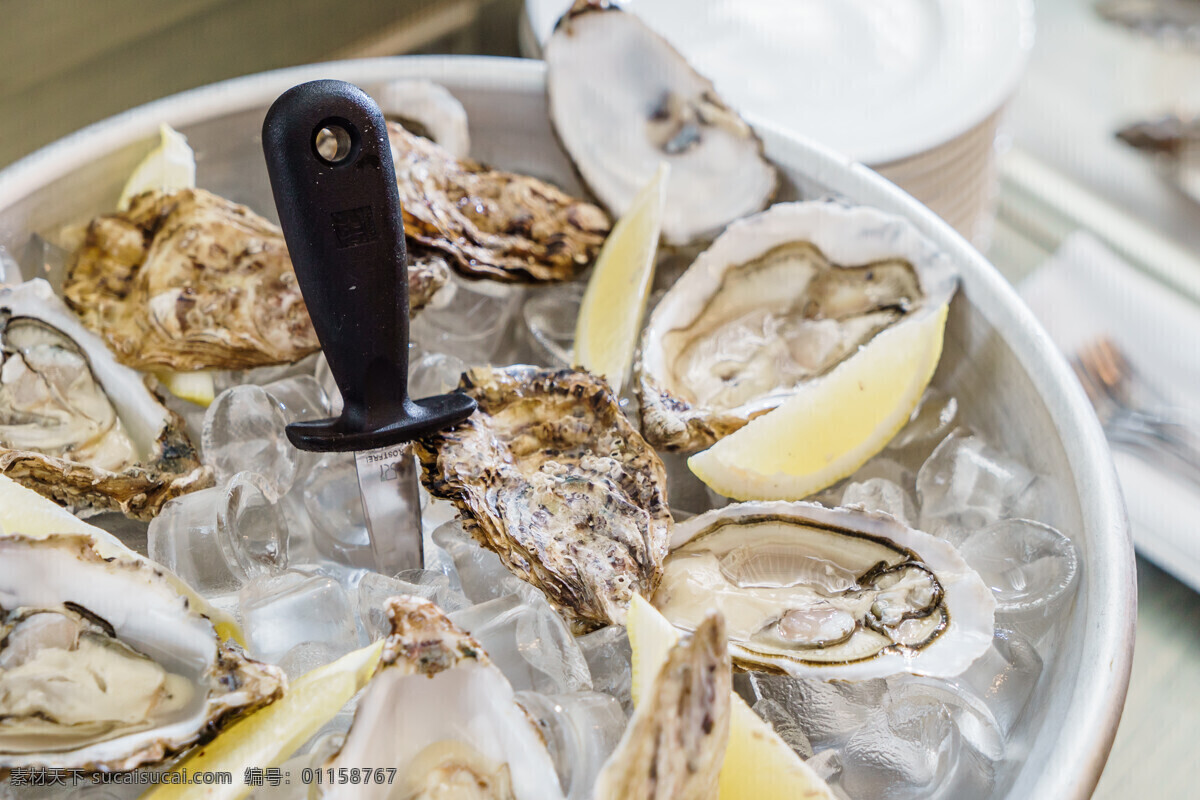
(772, 487)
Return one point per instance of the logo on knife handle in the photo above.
(354, 226)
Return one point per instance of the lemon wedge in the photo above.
(610, 316)
(24, 511)
(833, 424)
(169, 166)
(267, 737)
(759, 765)
(195, 387)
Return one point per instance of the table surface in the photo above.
(1086, 79)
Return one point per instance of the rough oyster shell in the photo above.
(550, 475)
(650, 106)
(491, 224)
(77, 426)
(779, 298)
(674, 746)
(72, 618)
(444, 716)
(188, 280)
(831, 593)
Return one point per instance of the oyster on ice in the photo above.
(650, 106)
(674, 746)
(104, 666)
(77, 426)
(550, 475)
(832, 593)
(445, 717)
(188, 280)
(779, 299)
(490, 223)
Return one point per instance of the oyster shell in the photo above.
(445, 717)
(550, 475)
(428, 110)
(491, 224)
(832, 593)
(674, 746)
(780, 298)
(104, 666)
(77, 426)
(188, 281)
(650, 107)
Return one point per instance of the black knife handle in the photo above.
(331, 172)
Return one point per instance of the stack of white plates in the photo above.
(913, 88)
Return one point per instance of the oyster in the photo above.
(780, 298)
(650, 107)
(674, 746)
(104, 666)
(77, 426)
(445, 717)
(492, 224)
(188, 281)
(550, 475)
(833, 593)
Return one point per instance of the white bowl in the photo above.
(1012, 383)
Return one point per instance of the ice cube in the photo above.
(334, 505)
(216, 539)
(825, 711)
(928, 425)
(482, 575)
(1005, 676)
(581, 731)
(324, 377)
(610, 662)
(880, 494)
(434, 373)
(469, 320)
(966, 484)
(307, 656)
(785, 724)
(243, 430)
(550, 314)
(283, 611)
(300, 397)
(529, 642)
(1030, 567)
(373, 589)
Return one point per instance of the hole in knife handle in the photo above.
(335, 141)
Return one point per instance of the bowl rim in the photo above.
(1072, 757)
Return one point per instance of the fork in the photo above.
(1132, 412)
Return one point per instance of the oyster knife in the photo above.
(331, 171)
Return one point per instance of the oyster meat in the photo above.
(188, 280)
(445, 717)
(832, 593)
(650, 107)
(77, 426)
(550, 475)
(491, 224)
(104, 666)
(674, 746)
(779, 299)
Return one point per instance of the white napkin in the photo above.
(1084, 291)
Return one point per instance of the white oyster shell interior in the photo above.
(834, 593)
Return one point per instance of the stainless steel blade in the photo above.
(387, 478)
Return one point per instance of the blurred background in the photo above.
(1098, 230)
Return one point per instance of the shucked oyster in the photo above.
(674, 746)
(77, 426)
(833, 593)
(440, 713)
(623, 101)
(779, 299)
(188, 280)
(492, 224)
(550, 475)
(104, 666)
